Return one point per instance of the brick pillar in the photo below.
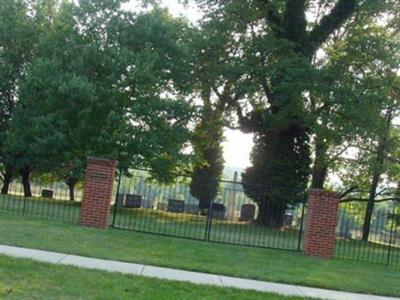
(99, 180)
(320, 229)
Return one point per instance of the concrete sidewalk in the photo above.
(180, 275)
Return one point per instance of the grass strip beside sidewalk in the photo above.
(26, 279)
(254, 263)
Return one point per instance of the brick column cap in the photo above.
(101, 161)
(322, 191)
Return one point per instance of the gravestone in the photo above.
(133, 201)
(47, 194)
(288, 220)
(176, 205)
(120, 200)
(247, 212)
(218, 211)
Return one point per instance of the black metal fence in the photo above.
(252, 215)
(47, 199)
(272, 217)
(383, 243)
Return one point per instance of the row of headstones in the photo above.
(247, 211)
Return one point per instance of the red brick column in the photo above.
(320, 229)
(99, 180)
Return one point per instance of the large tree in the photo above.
(373, 171)
(363, 107)
(279, 46)
(343, 106)
(18, 39)
(217, 83)
(279, 41)
(105, 83)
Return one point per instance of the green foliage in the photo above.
(374, 108)
(208, 170)
(103, 84)
(18, 36)
(298, 92)
(278, 182)
(87, 78)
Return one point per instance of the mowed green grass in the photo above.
(158, 221)
(369, 252)
(247, 262)
(26, 279)
(194, 226)
(42, 207)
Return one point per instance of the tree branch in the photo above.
(272, 15)
(246, 124)
(295, 22)
(392, 159)
(338, 154)
(348, 191)
(366, 200)
(339, 14)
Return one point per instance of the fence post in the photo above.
(320, 229)
(99, 180)
(116, 197)
(211, 183)
(391, 236)
(24, 205)
(301, 223)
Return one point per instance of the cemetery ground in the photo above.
(191, 226)
(255, 263)
(27, 279)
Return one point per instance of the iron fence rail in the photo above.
(271, 218)
(383, 244)
(231, 216)
(47, 200)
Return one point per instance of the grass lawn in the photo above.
(193, 226)
(255, 263)
(158, 221)
(26, 279)
(37, 206)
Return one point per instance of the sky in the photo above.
(237, 146)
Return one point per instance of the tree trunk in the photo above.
(320, 167)
(6, 186)
(25, 173)
(370, 207)
(71, 192)
(280, 170)
(271, 213)
(71, 183)
(287, 104)
(319, 174)
(8, 176)
(207, 145)
(378, 168)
